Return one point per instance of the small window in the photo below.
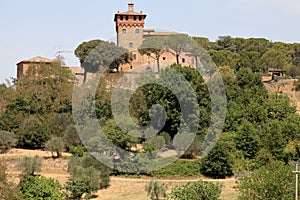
(130, 45)
(134, 56)
(137, 31)
(140, 18)
(123, 31)
(130, 66)
(164, 58)
(121, 18)
(127, 18)
(130, 7)
(134, 18)
(193, 61)
(183, 60)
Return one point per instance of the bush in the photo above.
(39, 187)
(7, 140)
(199, 190)
(273, 181)
(7, 190)
(56, 145)
(87, 175)
(155, 190)
(217, 164)
(30, 165)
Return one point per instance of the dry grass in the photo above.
(120, 188)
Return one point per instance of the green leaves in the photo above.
(199, 190)
(39, 187)
(273, 181)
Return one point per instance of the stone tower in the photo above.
(130, 28)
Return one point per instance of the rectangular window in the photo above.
(164, 58)
(183, 60)
(134, 56)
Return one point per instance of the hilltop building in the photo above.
(130, 28)
(23, 66)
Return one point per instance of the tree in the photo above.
(98, 57)
(56, 145)
(273, 181)
(87, 175)
(7, 140)
(273, 58)
(8, 191)
(199, 190)
(84, 49)
(156, 190)
(217, 164)
(178, 43)
(39, 187)
(30, 165)
(153, 47)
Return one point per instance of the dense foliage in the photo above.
(273, 181)
(39, 187)
(199, 190)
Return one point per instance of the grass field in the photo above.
(121, 188)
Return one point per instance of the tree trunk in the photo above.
(158, 67)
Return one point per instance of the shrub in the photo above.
(39, 187)
(7, 140)
(87, 175)
(217, 164)
(7, 190)
(155, 190)
(56, 145)
(30, 165)
(199, 190)
(273, 181)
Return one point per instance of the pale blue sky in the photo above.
(33, 28)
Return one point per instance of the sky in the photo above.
(33, 28)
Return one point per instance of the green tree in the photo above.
(217, 164)
(199, 190)
(7, 140)
(273, 181)
(83, 50)
(153, 47)
(8, 191)
(156, 190)
(39, 187)
(273, 58)
(56, 145)
(178, 43)
(30, 165)
(87, 175)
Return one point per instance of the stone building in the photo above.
(130, 28)
(24, 65)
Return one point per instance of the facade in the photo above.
(130, 28)
(23, 66)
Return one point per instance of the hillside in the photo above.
(286, 87)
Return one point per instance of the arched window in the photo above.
(124, 31)
(137, 31)
(130, 45)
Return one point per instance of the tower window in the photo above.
(140, 18)
(127, 18)
(137, 31)
(130, 7)
(124, 31)
(134, 56)
(134, 18)
(130, 45)
(121, 18)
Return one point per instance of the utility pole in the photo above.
(296, 172)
